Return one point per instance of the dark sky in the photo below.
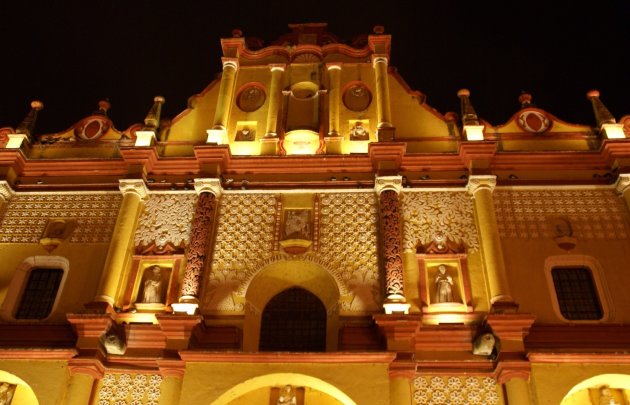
(71, 54)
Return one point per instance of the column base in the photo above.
(100, 307)
(333, 144)
(187, 305)
(386, 134)
(500, 306)
(396, 304)
(269, 146)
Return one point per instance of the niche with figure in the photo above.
(152, 286)
(444, 284)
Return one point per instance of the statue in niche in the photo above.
(152, 285)
(359, 133)
(287, 396)
(245, 134)
(6, 393)
(606, 397)
(443, 285)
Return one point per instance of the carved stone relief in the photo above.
(391, 242)
(442, 390)
(26, 216)
(428, 213)
(531, 214)
(166, 220)
(347, 227)
(138, 389)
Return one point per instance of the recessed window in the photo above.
(576, 293)
(39, 293)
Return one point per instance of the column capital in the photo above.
(230, 62)
(208, 186)
(6, 192)
(383, 183)
(89, 366)
(623, 183)
(379, 59)
(509, 370)
(133, 186)
(478, 182)
(333, 66)
(277, 67)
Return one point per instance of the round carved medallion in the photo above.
(357, 97)
(251, 98)
(533, 121)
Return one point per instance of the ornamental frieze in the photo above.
(134, 389)
(451, 390)
(430, 213)
(166, 220)
(531, 214)
(26, 216)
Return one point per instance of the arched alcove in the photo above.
(281, 276)
(20, 391)
(582, 393)
(334, 394)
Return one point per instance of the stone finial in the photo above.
(469, 116)
(237, 33)
(152, 120)
(27, 126)
(378, 29)
(103, 107)
(525, 99)
(602, 115)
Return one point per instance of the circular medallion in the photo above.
(533, 121)
(357, 97)
(251, 98)
(92, 128)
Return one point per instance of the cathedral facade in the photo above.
(310, 231)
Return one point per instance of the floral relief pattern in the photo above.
(390, 232)
(429, 213)
(244, 244)
(26, 216)
(530, 214)
(454, 390)
(129, 389)
(166, 219)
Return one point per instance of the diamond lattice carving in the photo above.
(429, 213)
(443, 390)
(27, 214)
(166, 220)
(530, 214)
(347, 243)
(129, 389)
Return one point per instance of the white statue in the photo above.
(6, 393)
(287, 396)
(152, 292)
(606, 397)
(443, 285)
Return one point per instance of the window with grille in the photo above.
(576, 293)
(39, 293)
(294, 320)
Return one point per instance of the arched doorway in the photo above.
(293, 320)
(603, 388)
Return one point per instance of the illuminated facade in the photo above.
(310, 231)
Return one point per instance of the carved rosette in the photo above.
(391, 242)
(199, 237)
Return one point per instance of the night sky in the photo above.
(72, 54)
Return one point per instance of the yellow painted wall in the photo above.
(47, 379)
(206, 382)
(552, 382)
(86, 265)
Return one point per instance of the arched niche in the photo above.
(283, 275)
(22, 393)
(581, 392)
(280, 380)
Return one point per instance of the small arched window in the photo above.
(576, 293)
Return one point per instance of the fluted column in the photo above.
(623, 187)
(334, 80)
(481, 188)
(383, 106)
(275, 95)
(388, 188)
(121, 244)
(218, 134)
(209, 191)
(6, 193)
